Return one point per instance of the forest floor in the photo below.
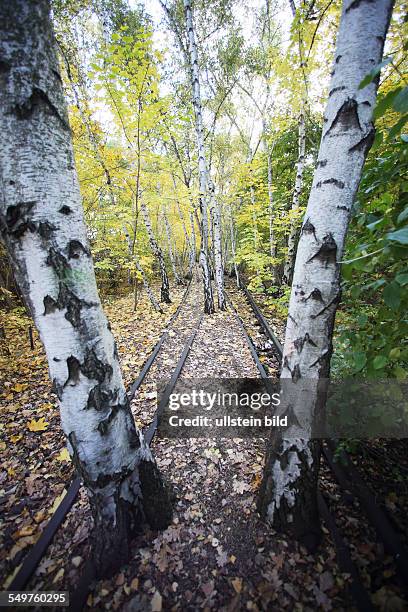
(217, 554)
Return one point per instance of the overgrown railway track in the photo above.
(353, 487)
(347, 477)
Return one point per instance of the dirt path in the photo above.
(217, 554)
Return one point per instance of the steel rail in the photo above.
(346, 564)
(80, 595)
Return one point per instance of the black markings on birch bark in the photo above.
(327, 251)
(345, 119)
(365, 143)
(294, 372)
(335, 89)
(334, 301)
(316, 295)
(331, 181)
(39, 100)
(300, 342)
(67, 299)
(309, 228)
(18, 219)
(75, 248)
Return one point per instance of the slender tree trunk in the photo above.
(233, 247)
(42, 225)
(189, 244)
(202, 165)
(165, 289)
(288, 492)
(146, 286)
(254, 225)
(177, 278)
(131, 247)
(290, 257)
(217, 247)
(272, 240)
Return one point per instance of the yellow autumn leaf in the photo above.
(19, 387)
(16, 438)
(40, 425)
(63, 455)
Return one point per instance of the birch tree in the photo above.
(288, 492)
(42, 225)
(202, 164)
(290, 257)
(172, 258)
(154, 245)
(142, 273)
(217, 248)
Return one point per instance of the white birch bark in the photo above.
(288, 492)
(193, 252)
(42, 225)
(254, 225)
(233, 247)
(272, 244)
(290, 257)
(202, 164)
(165, 288)
(217, 247)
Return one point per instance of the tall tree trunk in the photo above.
(202, 164)
(272, 240)
(189, 244)
(233, 247)
(165, 288)
(288, 491)
(254, 226)
(290, 257)
(217, 247)
(177, 278)
(41, 220)
(131, 248)
(193, 242)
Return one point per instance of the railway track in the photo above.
(344, 476)
(353, 488)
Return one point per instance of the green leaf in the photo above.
(400, 103)
(374, 72)
(380, 362)
(362, 320)
(399, 373)
(397, 127)
(400, 236)
(392, 295)
(403, 215)
(402, 278)
(385, 102)
(355, 291)
(360, 359)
